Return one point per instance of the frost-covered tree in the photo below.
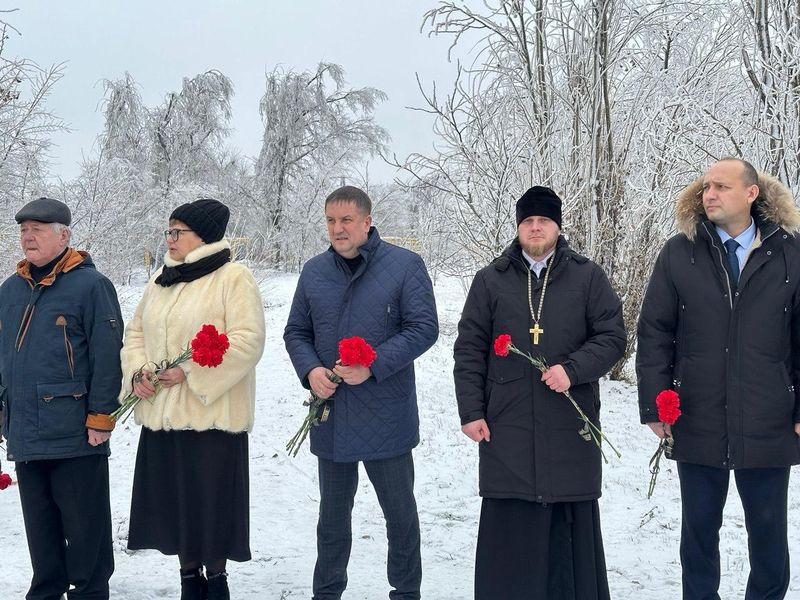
(146, 162)
(26, 124)
(615, 105)
(317, 130)
(770, 41)
(188, 130)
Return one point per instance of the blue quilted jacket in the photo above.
(389, 302)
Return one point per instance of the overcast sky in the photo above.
(378, 43)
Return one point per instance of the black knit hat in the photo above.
(207, 217)
(539, 202)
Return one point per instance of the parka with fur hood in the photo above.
(731, 352)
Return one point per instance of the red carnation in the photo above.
(502, 344)
(355, 352)
(206, 349)
(668, 403)
(5, 480)
(208, 346)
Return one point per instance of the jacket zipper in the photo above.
(730, 302)
(27, 317)
(721, 264)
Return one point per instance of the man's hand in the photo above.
(353, 375)
(556, 379)
(98, 437)
(796, 429)
(477, 430)
(170, 377)
(142, 386)
(664, 431)
(320, 384)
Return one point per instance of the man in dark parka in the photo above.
(720, 325)
(60, 337)
(539, 534)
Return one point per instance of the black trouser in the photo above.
(763, 493)
(393, 480)
(65, 505)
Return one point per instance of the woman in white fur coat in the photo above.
(191, 482)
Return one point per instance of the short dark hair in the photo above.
(350, 193)
(749, 175)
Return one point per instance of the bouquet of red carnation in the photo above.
(668, 403)
(206, 349)
(353, 352)
(503, 345)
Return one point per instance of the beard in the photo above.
(537, 249)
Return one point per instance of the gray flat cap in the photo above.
(44, 210)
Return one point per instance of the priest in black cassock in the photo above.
(539, 536)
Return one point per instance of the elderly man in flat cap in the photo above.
(60, 337)
(539, 535)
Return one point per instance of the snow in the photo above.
(641, 536)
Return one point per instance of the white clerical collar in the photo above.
(537, 265)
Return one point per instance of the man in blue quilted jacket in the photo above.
(363, 286)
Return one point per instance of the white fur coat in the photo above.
(167, 319)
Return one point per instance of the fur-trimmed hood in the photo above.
(775, 204)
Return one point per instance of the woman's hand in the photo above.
(142, 386)
(173, 376)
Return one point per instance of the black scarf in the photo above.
(195, 270)
(39, 273)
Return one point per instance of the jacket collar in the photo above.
(198, 253)
(69, 261)
(369, 247)
(773, 208)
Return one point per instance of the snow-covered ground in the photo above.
(641, 536)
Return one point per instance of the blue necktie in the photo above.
(730, 247)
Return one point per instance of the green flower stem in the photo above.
(314, 403)
(655, 464)
(131, 400)
(595, 432)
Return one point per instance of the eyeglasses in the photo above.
(175, 233)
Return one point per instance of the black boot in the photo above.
(218, 586)
(193, 584)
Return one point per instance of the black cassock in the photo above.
(533, 551)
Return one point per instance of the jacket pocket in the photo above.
(503, 382)
(391, 324)
(62, 409)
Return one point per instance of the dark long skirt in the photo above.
(191, 495)
(532, 551)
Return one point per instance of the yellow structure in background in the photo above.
(411, 243)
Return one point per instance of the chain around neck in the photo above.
(536, 317)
